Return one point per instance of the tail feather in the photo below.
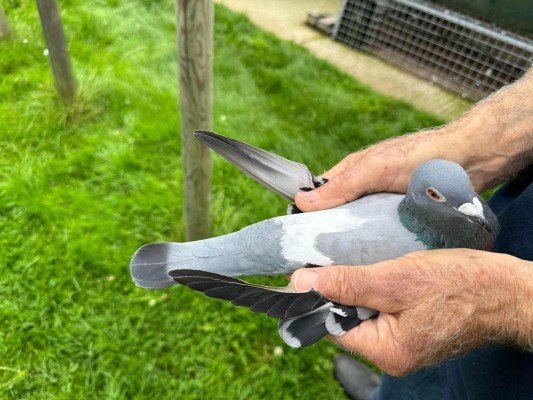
(149, 266)
(152, 263)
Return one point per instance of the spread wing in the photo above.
(304, 317)
(276, 302)
(276, 173)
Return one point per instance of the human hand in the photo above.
(434, 304)
(384, 167)
(491, 142)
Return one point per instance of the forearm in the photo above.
(494, 140)
(516, 293)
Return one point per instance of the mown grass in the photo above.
(82, 186)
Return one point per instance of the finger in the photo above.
(376, 340)
(342, 188)
(345, 163)
(363, 339)
(361, 286)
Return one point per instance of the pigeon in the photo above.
(439, 210)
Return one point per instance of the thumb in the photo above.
(348, 285)
(342, 188)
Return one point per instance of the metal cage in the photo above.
(453, 50)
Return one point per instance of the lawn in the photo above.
(82, 186)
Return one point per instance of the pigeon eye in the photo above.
(435, 195)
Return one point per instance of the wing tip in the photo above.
(292, 342)
(334, 327)
(199, 133)
(289, 339)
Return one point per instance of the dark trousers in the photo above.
(490, 373)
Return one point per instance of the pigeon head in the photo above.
(444, 211)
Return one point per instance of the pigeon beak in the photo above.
(482, 223)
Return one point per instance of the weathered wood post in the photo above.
(4, 26)
(57, 48)
(195, 53)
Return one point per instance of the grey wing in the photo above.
(276, 173)
(379, 235)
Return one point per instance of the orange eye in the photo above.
(435, 195)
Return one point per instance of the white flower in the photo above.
(278, 351)
(45, 52)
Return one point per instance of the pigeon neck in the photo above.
(434, 232)
(414, 218)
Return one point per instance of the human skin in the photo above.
(434, 304)
(440, 303)
(492, 141)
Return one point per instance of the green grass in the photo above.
(82, 186)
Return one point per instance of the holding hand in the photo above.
(385, 167)
(434, 304)
(491, 142)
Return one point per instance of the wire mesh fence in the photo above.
(455, 51)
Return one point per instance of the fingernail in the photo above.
(304, 280)
(309, 197)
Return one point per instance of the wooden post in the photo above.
(4, 26)
(57, 48)
(195, 52)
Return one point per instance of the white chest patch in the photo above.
(300, 234)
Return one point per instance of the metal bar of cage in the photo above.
(458, 52)
(434, 43)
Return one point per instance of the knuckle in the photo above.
(332, 282)
(351, 159)
(398, 370)
(347, 279)
(411, 258)
(344, 285)
(336, 184)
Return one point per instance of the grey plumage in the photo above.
(360, 232)
(235, 254)
(374, 228)
(280, 175)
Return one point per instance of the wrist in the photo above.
(494, 140)
(472, 142)
(521, 322)
(512, 295)
(466, 142)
